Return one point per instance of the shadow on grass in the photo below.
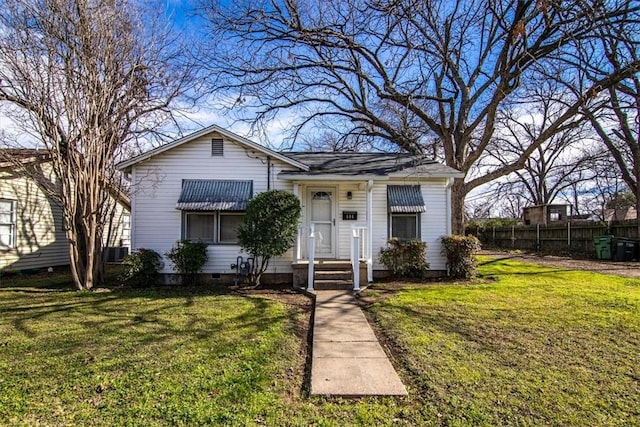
(119, 310)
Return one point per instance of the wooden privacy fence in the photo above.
(575, 238)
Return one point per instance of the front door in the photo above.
(322, 216)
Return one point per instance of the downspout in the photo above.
(449, 185)
(370, 231)
(268, 173)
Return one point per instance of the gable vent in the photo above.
(217, 147)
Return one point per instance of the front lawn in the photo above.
(527, 345)
(146, 357)
(524, 345)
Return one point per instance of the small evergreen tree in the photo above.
(460, 252)
(188, 258)
(269, 229)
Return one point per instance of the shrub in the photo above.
(460, 251)
(141, 267)
(269, 229)
(188, 258)
(405, 258)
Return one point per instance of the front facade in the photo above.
(197, 188)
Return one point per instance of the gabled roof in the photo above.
(213, 128)
(373, 165)
(17, 160)
(9, 157)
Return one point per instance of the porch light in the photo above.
(349, 195)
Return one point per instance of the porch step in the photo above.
(333, 274)
(333, 285)
(332, 266)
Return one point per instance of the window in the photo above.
(405, 226)
(217, 147)
(405, 204)
(229, 223)
(555, 216)
(200, 226)
(126, 230)
(7, 223)
(213, 227)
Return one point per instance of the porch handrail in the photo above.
(360, 251)
(311, 252)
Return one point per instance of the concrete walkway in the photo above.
(347, 358)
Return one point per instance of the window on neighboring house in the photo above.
(126, 230)
(7, 223)
(213, 227)
(405, 226)
(555, 216)
(217, 147)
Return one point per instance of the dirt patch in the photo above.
(626, 269)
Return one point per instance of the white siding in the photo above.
(157, 182)
(40, 236)
(115, 234)
(433, 221)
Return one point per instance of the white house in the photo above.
(197, 187)
(32, 229)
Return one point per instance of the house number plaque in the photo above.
(349, 215)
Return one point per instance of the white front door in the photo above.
(321, 213)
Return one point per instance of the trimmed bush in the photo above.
(141, 267)
(460, 251)
(188, 258)
(405, 258)
(269, 229)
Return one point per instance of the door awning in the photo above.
(214, 195)
(405, 199)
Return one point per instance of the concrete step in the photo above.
(333, 274)
(333, 285)
(332, 265)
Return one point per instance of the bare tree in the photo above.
(618, 123)
(409, 71)
(86, 78)
(556, 165)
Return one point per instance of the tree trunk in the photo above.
(458, 193)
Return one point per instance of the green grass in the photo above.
(143, 357)
(524, 345)
(531, 345)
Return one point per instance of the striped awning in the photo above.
(214, 195)
(405, 199)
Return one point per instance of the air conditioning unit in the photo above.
(115, 254)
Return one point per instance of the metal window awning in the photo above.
(405, 199)
(214, 195)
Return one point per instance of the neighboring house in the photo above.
(620, 214)
(198, 187)
(32, 233)
(545, 214)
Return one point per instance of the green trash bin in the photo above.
(603, 246)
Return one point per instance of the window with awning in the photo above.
(213, 209)
(405, 205)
